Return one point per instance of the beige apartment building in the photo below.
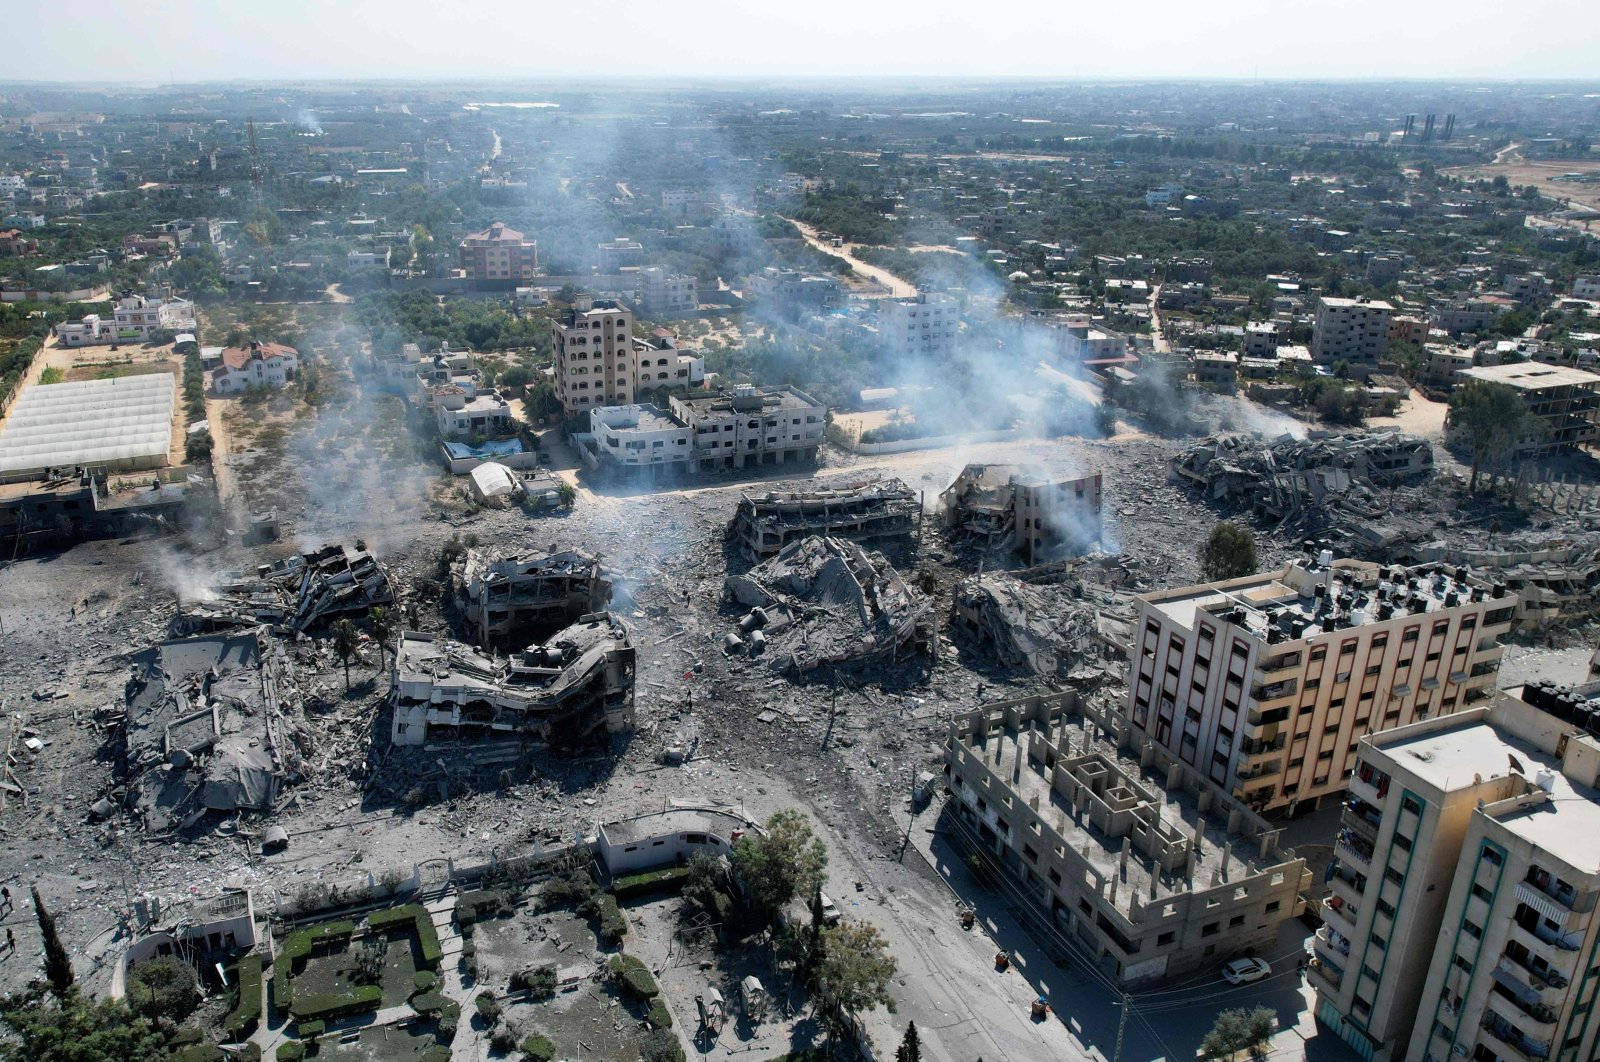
(596, 361)
(1460, 922)
(1136, 863)
(1564, 401)
(1266, 684)
(498, 257)
(1355, 331)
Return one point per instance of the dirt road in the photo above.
(898, 288)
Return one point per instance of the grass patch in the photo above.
(246, 1013)
(634, 977)
(670, 879)
(330, 1005)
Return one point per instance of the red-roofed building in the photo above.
(498, 257)
(257, 365)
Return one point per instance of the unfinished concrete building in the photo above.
(857, 509)
(296, 593)
(502, 598)
(1314, 477)
(1128, 852)
(1057, 620)
(571, 689)
(1033, 514)
(211, 724)
(827, 601)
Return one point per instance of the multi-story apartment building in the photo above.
(637, 437)
(1266, 684)
(498, 257)
(1565, 402)
(1355, 331)
(923, 326)
(620, 253)
(1137, 862)
(664, 292)
(752, 426)
(1586, 287)
(1460, 921)
(140, 316)
(595, 359)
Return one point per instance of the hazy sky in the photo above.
(182, 40)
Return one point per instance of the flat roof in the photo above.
(122, 421)
(1532, 375)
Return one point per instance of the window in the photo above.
(1482, 893)
(1463, 965)
(1391, 874)
(1318, 653)
(1411, 804)
(1164, 939)
(1402, 842)
(1236, 921)
(1472, 930)
(1210, 929)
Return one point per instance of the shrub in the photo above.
(428, 1002)
(199, 1053)
(613, 925)
(291, 1052)
(488, 1006)
(424, 980)
(659, 1016)
(417, 915)
(329, 1005)
(310, 1030)
(538, 1048)
(633, 977)
(163, 987)
(449, 1020)
(660, 1046)
(436, 1053)
(672, 879)
(503, 1040)
(246, 1013)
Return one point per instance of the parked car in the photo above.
(830, 911)
(1243, 971)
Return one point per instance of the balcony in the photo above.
(1521, 1045)
(1371, 791)
(1548, 895)
(1325, 975)
(1510, 987)
(1342, 916)
(1559, 960)
(1333, 944)
(1545, 985)
(1263, 692)
(1252, 747)
(1348, 885)
(1354, 849)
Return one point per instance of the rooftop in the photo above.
(92, 422)
(1533, 375)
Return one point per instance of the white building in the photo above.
(139, 316)
(1355, 331)
(925, 326)
(752, 425)
(1266, 683)
(464, 416)
(1586, 287)
(640, 436)
(367, 261)
(269, 365)
(81, 333)
(663, 292)
(620, 253)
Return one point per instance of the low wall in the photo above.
(933, 442)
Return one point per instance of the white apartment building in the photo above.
(752, 426)
(662, 363)
(268, 365)
(921, 327)
(1460, 921)
(138, 316)
(1586, 287)
(620, 253)
(1355, 331)
(1266, 684)
(664, 292)
(640, 436)
(595, 359)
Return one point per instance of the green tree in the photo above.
(1237, 1030)
(854, 972)
(1490, 420)
(57, 965)
(1229, 553)
(75, 1028)
(784, 862)
(910, 1047)
(164, 988)
(382, 624)
(344, 643)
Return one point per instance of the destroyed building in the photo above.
(1005, 507)
(575, 686)
(211, 724)
(828, 601)
(1313, 478)
(1555, 576)
(1056, 620)
(296, 593)
(533, 591)
(853, 508)
(1125, 848)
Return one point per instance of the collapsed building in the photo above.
(1555, 576)
(1006, 507)
(575, 686)
(856, 509)
(1312, 478)
(1055, 620)
(828, 601)
(210, 724)
(499, 598)
(297, 593)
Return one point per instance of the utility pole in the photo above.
(1122, 1026)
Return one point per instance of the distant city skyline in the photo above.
(190, 40)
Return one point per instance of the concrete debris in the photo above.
(1055, 620)
(212, 724)
(826, 601)
(504, 597)
(567, 691)
(855, 508)
(1007, 507)
(1312, 479)
(1556, 577)
(297, 593)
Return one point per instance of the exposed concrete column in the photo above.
(1234, 818)
(1205, 801)
(1266, 843)
(1127, 843)
(1174, 774)
(1147, 756)
(1199, 836)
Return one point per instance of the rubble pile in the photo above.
(827, 601)
(1008, 506)
(854, 508)
(1313, 478)
(1054, 620)
(1556, 576)
(210, 724)
(296, 593)
(500, 597)
(575, 685)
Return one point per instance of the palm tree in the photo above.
(344, 643)
(382, 625)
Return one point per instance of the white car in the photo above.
(830, 911)
(1243, 971)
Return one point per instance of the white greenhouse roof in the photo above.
(125, 421)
